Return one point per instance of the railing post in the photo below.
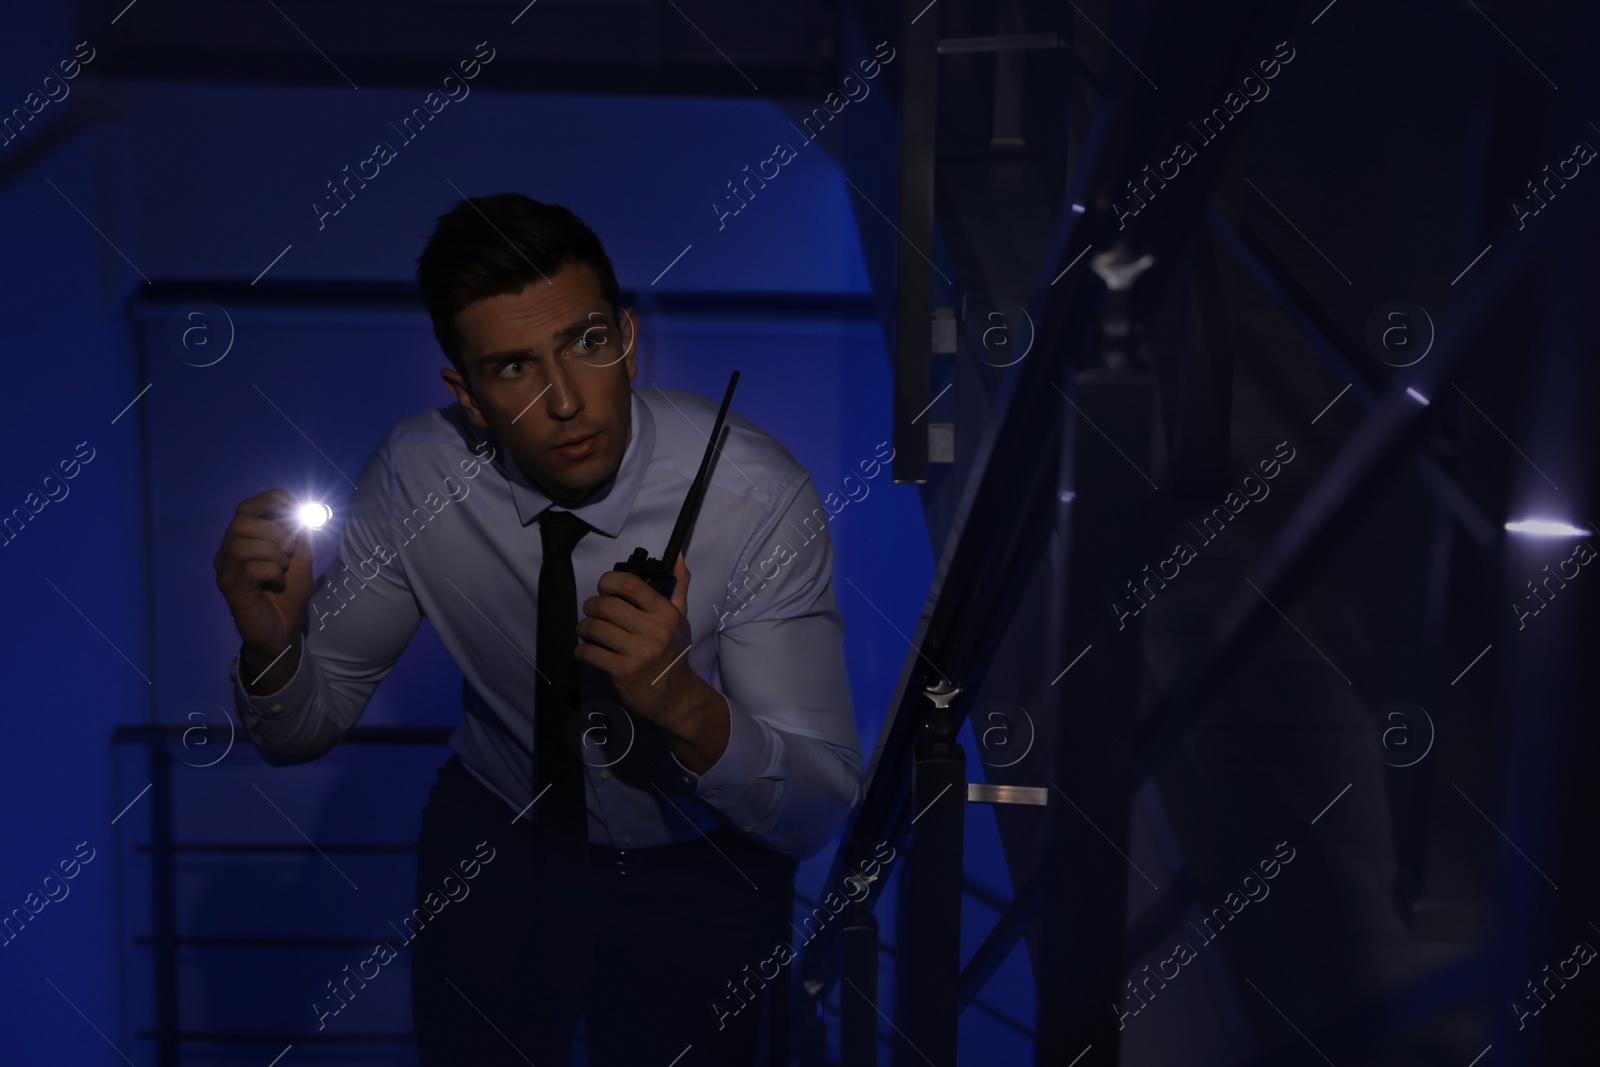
(163, 905)
(811, 1035)
(931, 951)
(858, 1022)
(1079, 966)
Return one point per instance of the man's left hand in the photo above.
(641, 639)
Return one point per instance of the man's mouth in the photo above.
(578, 447)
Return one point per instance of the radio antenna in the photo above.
(658, 572)
(697, 491)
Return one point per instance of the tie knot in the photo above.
(561, 531)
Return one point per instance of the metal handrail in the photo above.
(984, 567)
(162, 849)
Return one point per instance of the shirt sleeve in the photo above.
(792, 769)
(359, 619)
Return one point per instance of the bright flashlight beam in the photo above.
(313, 515)
(1546, 528)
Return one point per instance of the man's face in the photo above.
(548, 367)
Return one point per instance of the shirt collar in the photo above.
(608, 508)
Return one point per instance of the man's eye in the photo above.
(501, 373)
(590, 342)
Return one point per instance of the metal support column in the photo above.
(929, 980)
(858, 1025)
(811, 1033)
(913, 294)
(164, 925)
(1085, 870)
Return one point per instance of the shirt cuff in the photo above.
(294, 694)
(736, 769)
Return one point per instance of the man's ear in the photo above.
(463, 393)
(630, 342)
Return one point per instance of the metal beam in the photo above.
(1182, 703)
(1389, 431)
(1330, 345)
(913, 276)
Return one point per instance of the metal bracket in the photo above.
(984, 793)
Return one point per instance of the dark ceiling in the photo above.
(684, 47)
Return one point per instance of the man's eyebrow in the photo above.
(506, 355)
(559, 339)
(578, 329)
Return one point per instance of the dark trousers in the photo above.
(678, 930)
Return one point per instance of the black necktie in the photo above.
(561, 815)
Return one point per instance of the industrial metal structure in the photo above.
(1043, 488)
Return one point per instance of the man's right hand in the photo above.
(264, 572)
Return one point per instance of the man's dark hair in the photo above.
(495, 245)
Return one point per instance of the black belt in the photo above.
(684, 854)
(657, 857)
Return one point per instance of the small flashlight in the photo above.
(313, 514)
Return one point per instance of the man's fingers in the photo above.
(261, 572)
(263, 504)
(640, 594)
(680, 592)
(246, 548)
(630, 587)
(601, 658)
(617, 609)
(607, 635)
(262, 529)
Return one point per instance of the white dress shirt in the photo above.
(443, 524)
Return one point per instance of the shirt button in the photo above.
(686, 779)
(277, 707)
(749, 829)
(626, 838)
(605, 775)
(711, 792)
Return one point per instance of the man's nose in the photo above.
(565, 400)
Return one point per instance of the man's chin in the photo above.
(568, 494)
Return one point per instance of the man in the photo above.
(635, 873)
